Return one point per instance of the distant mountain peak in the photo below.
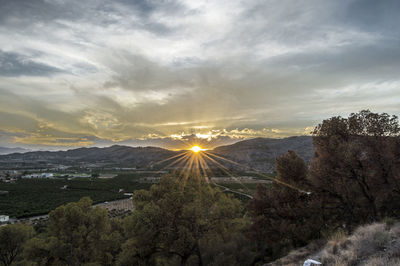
(6, 150)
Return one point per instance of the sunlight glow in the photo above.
(197, 162)
(196, 149)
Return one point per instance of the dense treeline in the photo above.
(353, 179)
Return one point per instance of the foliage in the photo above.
(12, 240)
(78, 234)
(285, 215)
(353, 179)
(356, 166)
(28, 197)
(174, 221)
(363, 244)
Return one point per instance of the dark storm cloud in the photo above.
(370, 15)
(14, 65)
(146, 8)
(20, 13)
(26, 15)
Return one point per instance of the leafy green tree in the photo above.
(173, 221)
(12, 240)
(44, 250)
(78, 234)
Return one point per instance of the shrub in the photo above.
(362, 247)
(382, 261)
(369, 239)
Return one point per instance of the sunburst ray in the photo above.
(226, 170)
(173, 163)
(170, 158)
(261, 174)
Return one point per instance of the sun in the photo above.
(196, 149)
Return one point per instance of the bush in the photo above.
(369, 239)
(383, 261)
(368, 245)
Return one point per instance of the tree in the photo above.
(77, 234)
(12, 240)
(95, 175)
(354, 169)
(173, 220)
(285, 215)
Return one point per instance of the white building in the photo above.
(4, 218)
(40, 175)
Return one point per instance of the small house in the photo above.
(4, 218)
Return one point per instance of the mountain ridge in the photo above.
(7, 150)
(259, 153)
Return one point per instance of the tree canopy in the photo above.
(174, 220)
(77, 234)
(12, 240)
(356, 167)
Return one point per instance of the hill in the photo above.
(371, 245)
(5, 150)
(259, 153)
(116, 155)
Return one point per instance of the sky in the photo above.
(166, 73)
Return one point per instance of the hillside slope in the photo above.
(260, 153)
(376, 244)
(114, 155)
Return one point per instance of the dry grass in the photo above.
(298, 256)
(376, 244)
(370, 239)
(383, 261)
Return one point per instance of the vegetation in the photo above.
(77, 234)
(352, 180)
(29, 197)
(179, 222)
(175, 223)
(355, 171)
(375, 244)
(284, 215)
(12, 240)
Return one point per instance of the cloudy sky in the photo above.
(136, 72)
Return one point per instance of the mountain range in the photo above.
(5, 150)
(258, 153)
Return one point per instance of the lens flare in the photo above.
(196, 149)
